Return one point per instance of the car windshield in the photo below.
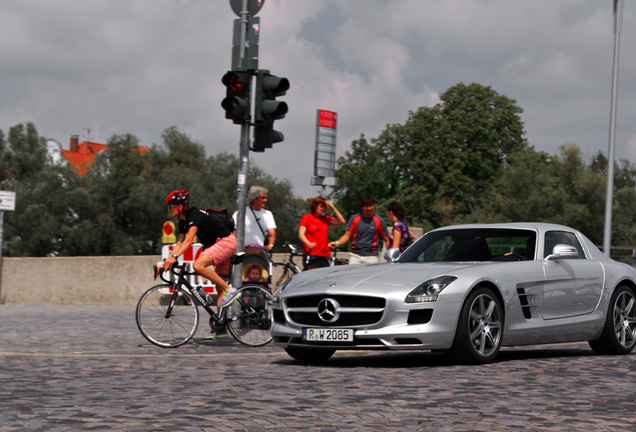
(473, 244)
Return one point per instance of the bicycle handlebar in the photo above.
(293, 247)
(160, 272)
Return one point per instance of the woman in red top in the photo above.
(314, 231)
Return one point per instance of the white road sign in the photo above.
(7, 200)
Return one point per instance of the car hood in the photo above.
(371, 278)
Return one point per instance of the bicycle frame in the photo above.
(289, 264)
(181, 281)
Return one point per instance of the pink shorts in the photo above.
(221, 252)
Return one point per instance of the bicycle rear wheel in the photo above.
(167, 316)
(250, 316)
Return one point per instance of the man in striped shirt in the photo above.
(365, 229)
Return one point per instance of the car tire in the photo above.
(619, 334)
(480, 329)
(310, 355)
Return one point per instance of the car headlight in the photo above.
(429, 290)
(279, 291)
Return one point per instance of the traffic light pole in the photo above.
(238, 101)
(244, 163)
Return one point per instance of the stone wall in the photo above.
(112, 280)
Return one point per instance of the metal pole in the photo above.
(244, 162)
(1, 222)
(609, 194)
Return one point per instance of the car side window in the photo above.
(553, 238)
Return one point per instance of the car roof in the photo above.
(535, 226)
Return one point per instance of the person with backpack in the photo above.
(366, 229)
(215, 231)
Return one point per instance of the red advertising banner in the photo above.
(327, 119)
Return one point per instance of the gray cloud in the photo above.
(140, 66)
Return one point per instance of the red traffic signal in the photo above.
(236, 103)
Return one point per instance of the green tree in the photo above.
(114, 210)
(127, 190)
(624, 205)
(44, 206)
(443, 163)
(537, 187)
(118, 207)
(26, 152)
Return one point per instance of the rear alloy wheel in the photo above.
(619, 333)
(310, 355)
(480, 329)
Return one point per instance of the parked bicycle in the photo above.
(289, 267)
(167, 315)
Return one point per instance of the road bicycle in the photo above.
(167, 315)
(289, 267)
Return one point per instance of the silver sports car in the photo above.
(466, 290)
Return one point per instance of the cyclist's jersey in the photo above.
(210, 227)
(367, 233)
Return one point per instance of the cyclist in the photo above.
(219, 243)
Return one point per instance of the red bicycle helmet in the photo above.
(178, 197)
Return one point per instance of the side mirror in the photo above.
(392, 254)
(562, 251)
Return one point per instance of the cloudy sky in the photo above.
(97, 68)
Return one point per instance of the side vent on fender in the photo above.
(526, 300)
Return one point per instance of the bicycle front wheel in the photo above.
(250, 316)
(167, 316)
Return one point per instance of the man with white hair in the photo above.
(260, 227)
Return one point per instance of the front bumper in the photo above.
(423, 326)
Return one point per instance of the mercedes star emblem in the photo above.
(328, 310)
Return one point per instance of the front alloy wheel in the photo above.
(479, 333)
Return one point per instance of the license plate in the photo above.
(327, 335)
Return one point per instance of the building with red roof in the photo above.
(80, 157)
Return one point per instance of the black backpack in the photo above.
(224, 216)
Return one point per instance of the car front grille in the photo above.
(352, 311)
(344, 300)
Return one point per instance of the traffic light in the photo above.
(265, 136)
(236, 103)
(268, 109)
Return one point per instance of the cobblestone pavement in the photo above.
(77, 368)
